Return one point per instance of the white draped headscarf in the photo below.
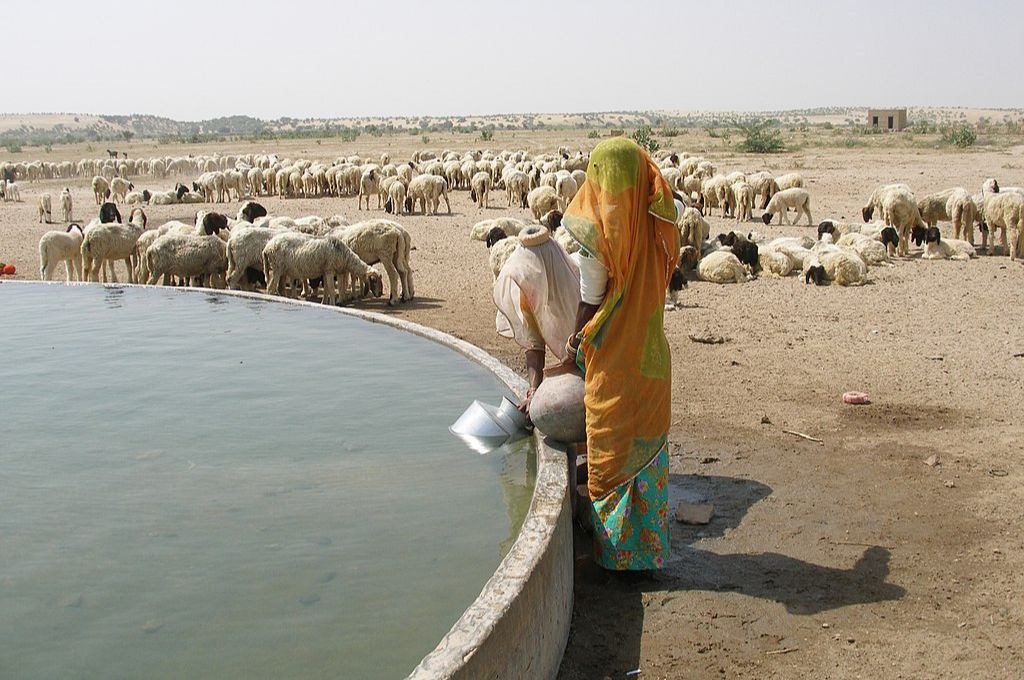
(540, 281)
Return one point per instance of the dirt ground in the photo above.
(850, 558)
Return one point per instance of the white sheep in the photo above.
(722, 266)
(501, 251)
(428, 190)
(119, 188)
(775, 262)
(109, 242)
(45, 208)
(100, 189)
(871, 250)
(480, 188)
(245, 252)
(938, 248)
(510, 225)
(566, 188)
(389, 244)
(743, 200)
(289, 257)
(1003, 211)
(188, 256)
(796, 198)
(517, 187)
(953, 205)
(61, 246)
(396, 195)
(368, 186)
(792, 180)
(542, 200)
(693, 228)
(65, 204)
(841, 266)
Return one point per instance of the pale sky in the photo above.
(193, 60)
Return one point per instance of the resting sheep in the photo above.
(61, 246)
(795, 198)
(841, 266)
(938, 248)
(722, 266)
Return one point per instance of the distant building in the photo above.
(892, 120)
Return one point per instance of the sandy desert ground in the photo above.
(848, 558)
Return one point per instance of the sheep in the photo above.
(517, 187)
(191, 256)
(743, 200)
(715, 193)
(775, 262)
(566, 188)
(722, 266)
(899, 210)
(65, 204)
(245, 255)
(991, 186)
(111, 241)
(1005, 210)
(385, 242)
(793, 180)
(138, 197)
(693, 228)
(61, 246)
(428, 190)
(396, 197)
(878, 196)
(501, 251)
(938, 248)
(746, 252)
(764, 185)
(368, 186)
(119, 188)
(687, 262)
(509, 225)
(797, 249)
(290, 256)
(841, 266)
(169, 197)
(100, 189)
(954, 205)
(542, 200)
(873, 251)
(45, 209)
(480, 187)
(796, 198)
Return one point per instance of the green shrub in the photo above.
(13, 147)
(960, 136)
(760, 137)
(593, 134)
(487, 134)
(642, 136)
(669, 132)
(425, 139)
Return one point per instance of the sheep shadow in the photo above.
(381, 305)
(608, 612)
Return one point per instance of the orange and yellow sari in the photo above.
(624, 216)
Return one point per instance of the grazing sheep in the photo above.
(899, 210)
(938, 248)
(715, 193)
(793, 180)
(45, 209)
(109, 241)
(100, 189)
(693, 228)
(65, 204)
(764, 185)
(795, 198)
(245, 255)
(517, 187)
(480, 187)
(722, 266)
(201, 256)
(428, 190)
(1004, 210)
(877, 198)
(389, 244)
(396, 197)
(954, 205)
(289, 257)
(61, 246)
(542, 200)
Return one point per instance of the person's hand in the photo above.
(569, 365)
(524, 406)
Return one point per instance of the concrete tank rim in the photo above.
(547, 505)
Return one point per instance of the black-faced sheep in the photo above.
(796, 198)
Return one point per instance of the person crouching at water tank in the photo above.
(537, 294)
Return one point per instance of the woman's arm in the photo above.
(535, 373)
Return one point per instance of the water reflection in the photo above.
(113, 297)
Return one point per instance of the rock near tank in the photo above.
(557, 408)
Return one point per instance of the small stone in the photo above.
(949, 484)
(706, 338)
(765, 420)
(826, 625)
(71, 600)
(707, 460)
(151, 626)
(694, 513)
(309, 600)
(932, 460)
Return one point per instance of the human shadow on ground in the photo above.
(608, 611)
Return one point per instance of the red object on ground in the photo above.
(9, 269)
(856, 398)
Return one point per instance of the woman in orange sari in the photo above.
(624, 220)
